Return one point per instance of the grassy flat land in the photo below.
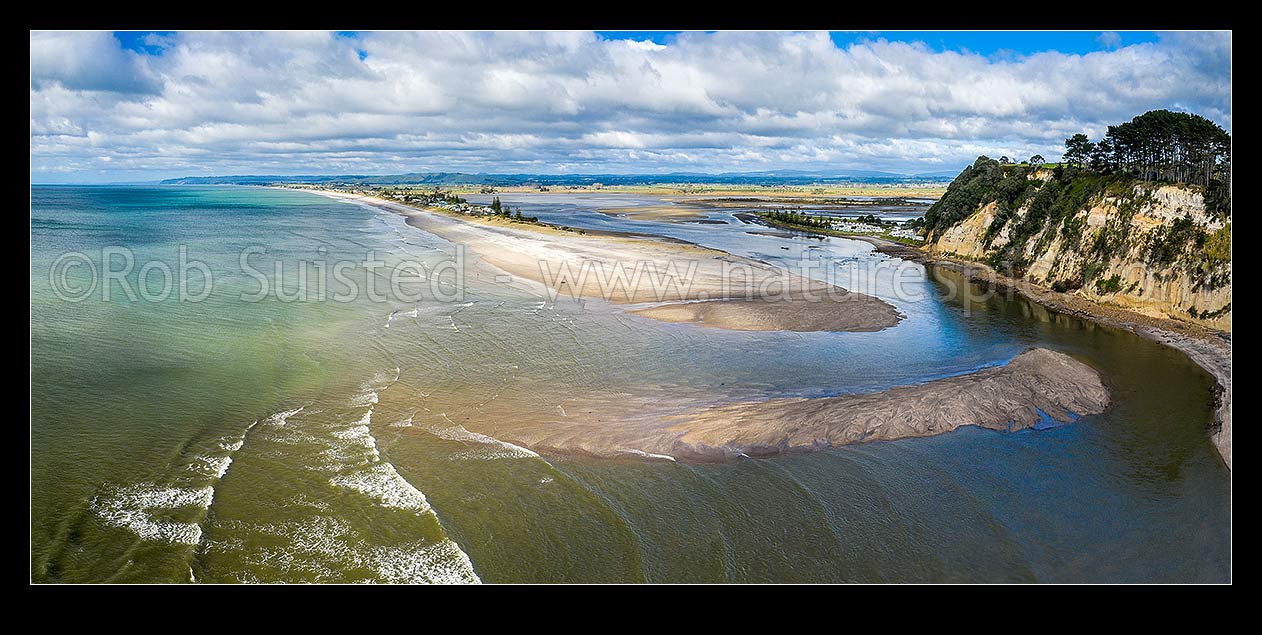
(779, 191)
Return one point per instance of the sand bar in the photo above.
(1037, 386)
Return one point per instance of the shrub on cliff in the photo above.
(974, 187)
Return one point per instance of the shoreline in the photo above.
(1207, 348)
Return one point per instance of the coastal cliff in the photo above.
(1153, 248)
(1158, 249)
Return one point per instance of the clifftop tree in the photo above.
(1161, 145)
(1077, 149)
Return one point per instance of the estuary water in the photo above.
(264, 434)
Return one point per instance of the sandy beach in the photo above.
(669, 281)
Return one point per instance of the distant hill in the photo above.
(773, 177)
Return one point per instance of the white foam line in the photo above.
(212, 466)
(457, 432)
(647, 455)
(281, 417)
(360, 435)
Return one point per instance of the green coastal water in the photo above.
(227, 440)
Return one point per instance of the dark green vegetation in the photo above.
(823, 225)
(422, 196)
(798, 219)
(502, 211)
(1157, 147)
(1164, 146)
(1109, 285)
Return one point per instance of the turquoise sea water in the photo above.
(286, 439)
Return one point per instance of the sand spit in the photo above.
(1038, 385)
(758, 315)
(742, 294)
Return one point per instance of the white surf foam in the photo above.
(360, 437)
(281, 417)
(384, 484)
(144, 507)
(364, 399)
(399, 314)
(135, 507)
(325, 547)
(436, 563)
(211, 466)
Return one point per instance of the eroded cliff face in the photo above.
(1150, 248)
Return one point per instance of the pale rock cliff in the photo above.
(1188, 284)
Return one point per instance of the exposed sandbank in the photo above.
(669, 213)
(759, 315)
(1013, 397)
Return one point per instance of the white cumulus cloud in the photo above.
(302, 102)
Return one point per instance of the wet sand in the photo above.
(668, 213)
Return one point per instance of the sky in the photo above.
(129, 106)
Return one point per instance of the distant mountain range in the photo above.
(771, 177)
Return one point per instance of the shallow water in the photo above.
(225, 440)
